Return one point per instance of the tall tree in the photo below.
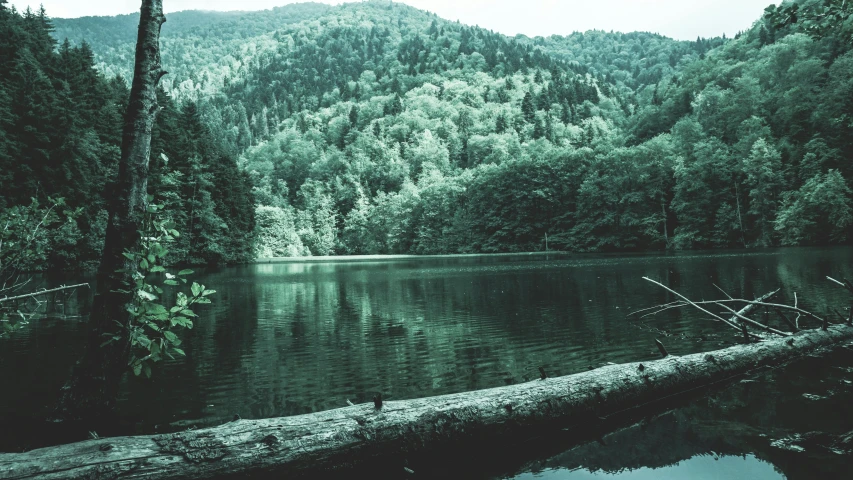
(528, 109)
(764, 180)
(95, 379)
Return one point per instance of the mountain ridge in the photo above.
(380, 128)
(117, 58)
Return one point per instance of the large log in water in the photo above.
(306, 445)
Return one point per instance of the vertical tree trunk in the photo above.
(94, 382)
(739, 218)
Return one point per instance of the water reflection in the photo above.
(702, 467)
(290, 338)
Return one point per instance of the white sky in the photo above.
(681, 19)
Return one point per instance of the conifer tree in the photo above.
(528, 109)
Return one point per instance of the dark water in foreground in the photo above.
(291, 338)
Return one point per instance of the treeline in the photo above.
(60, 137)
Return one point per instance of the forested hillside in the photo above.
(379, 128)
(628, 60)
(60, 133)
(398, 132)
(202, 49)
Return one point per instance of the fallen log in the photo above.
(306, 445)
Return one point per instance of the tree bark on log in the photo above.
(94, 382)
(307, 445)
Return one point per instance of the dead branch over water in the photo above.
(740, 320)
(42, 292)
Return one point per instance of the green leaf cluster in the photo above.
(154, 326)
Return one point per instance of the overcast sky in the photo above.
(682, 19)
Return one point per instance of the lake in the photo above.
(302, 336)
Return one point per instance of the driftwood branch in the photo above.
(796, 320)
(743, 319)
(722, 291)
(846, 284)
(16, 286)
(737, 316)
(42, 292)
(661, 348)
(787, 320)
(688, 302)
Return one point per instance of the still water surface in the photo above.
(298, 337)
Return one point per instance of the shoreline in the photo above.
(345, 258)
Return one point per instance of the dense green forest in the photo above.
(375, 127)
(60, 136)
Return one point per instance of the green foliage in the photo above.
(27, 234)
(763, 178)
(276, 233)
(817, 18)
(207, 196)
(569, 149)
(60, 137)
(153, 326)
(59, 129)
(819, 213)
(379, 128)
(230, 39)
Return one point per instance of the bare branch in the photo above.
(42, 292)
(753, 322)
(16, 286)
(739, 316)
(670, 304)
(691, 303)
(787, 320)
(723, 291)
(796, 320)
(680, 304)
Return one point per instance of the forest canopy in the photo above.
(375, 127)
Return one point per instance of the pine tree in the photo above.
(353, 116)
(528, 109)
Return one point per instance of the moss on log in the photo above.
(306, 445)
